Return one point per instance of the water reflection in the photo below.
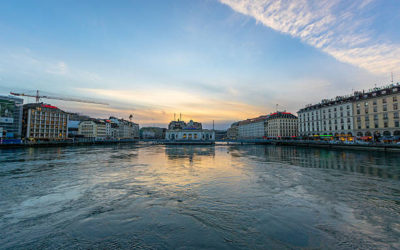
(189, 152)
(219, 197)
(380, 164)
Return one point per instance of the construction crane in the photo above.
(38, 97)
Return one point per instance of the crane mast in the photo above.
(38, 97)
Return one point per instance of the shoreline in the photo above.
(309, 144)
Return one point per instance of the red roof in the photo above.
(49, 106)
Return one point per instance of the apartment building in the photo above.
(371, 113)
(93, 129)
(44, 122)
(252, 128)
(281, 125)
(377, 112)
(330, 118)
(125, 129)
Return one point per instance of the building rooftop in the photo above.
(357, 95)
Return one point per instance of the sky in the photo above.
(225, 60)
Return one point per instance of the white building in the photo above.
(190, 135)
(93, 129)
(180, 131)
(330, 117)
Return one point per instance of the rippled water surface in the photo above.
(147, 196)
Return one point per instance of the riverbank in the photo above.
(65, 143)
(292, 143)
(363, 147)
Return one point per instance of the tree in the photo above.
(130, 117)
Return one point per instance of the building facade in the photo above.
(10, 117)
(373, 113)
(233, 132)
(281, 125)
(125, 129)
(93, 129)
(190, 135)
(377, 112)
(252, 128)
(329, 118)
(152, 133)
(44, 122)
(192, 131)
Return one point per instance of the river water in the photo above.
(220, 197)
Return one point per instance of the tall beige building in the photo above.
(281, 124)
(377, 112)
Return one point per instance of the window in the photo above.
(376, 125)
(385, 116)
(358, 111)
(385, 124)
(385, 107)
(394, 98)
(366, 104)
(375, 117)
(375, 109)
(396, 115)
(397, 124)
(374, 102)
(384, 100)
(395, 106)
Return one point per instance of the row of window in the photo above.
(375, 108)
(376, 125)
(375, 102)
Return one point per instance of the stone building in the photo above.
(281, 125)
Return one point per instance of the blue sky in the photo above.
(210, 60)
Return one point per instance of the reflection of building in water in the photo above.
(188, 151)
(352, 161)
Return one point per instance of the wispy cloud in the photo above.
(337, 27)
